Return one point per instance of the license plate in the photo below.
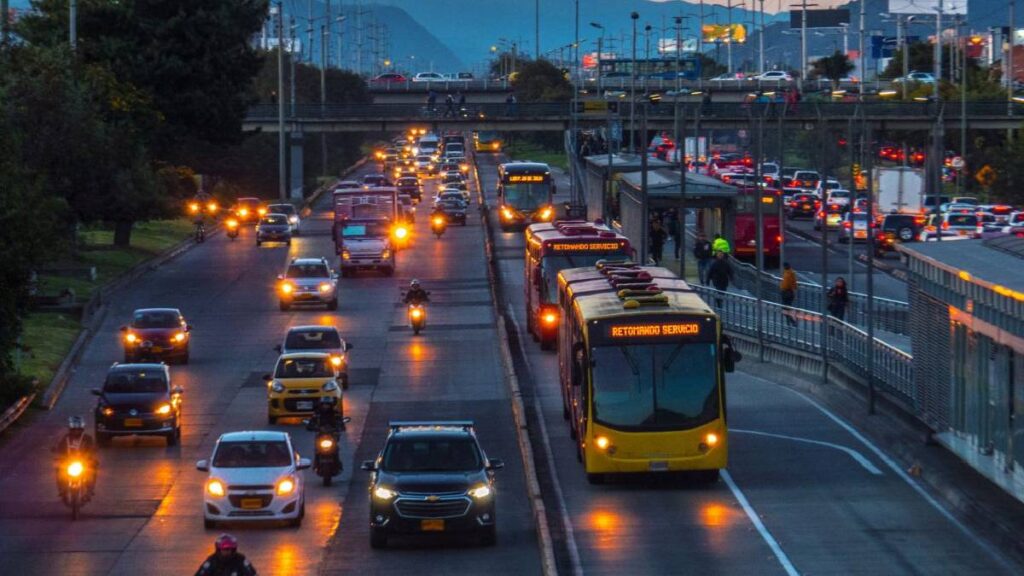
(304, 405)
(432, 525)
(132, 422)
(961, 232)
(860, 234)
(156, 349)
(807, 206)
(252, 503)
(658, 466)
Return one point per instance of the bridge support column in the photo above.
(295, 186)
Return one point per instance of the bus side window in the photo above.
(577, 364)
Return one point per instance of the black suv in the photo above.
(803, 204)
(138, 399)
(905, 227)
(432, 477)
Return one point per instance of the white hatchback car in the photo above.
(254, 476)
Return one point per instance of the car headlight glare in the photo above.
(163, 409)
(285, 486)
(130, 338)
(330, 386)
(345, 255)
(287, 288)
(382, 493)
(385, 254)
(276, 386)
(337, 361)
(179, 337)
(215, 487)
(108, 411)
(293, 219)
(325, 287)
(480, 492)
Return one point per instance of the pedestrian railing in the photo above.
(800, 329)
(888, 315)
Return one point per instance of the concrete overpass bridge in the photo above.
(556, 116)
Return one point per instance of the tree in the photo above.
(833, 67)
(922, 59)
(541, 81)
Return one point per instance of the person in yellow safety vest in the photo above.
(720, 244)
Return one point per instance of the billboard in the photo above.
(668, 45)
(820, 18)
(929, 7)
(736, 33)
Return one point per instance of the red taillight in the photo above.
(847, 225)
(778, 238)
(945, 225)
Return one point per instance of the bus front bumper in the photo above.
(687, 451)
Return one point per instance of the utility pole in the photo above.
(536, 31)
(824, 147)
(760, 44)
(938, 52)
(938, 132)
(645, 237)
(291, 66)
(680, 152)
(341, 36)
(72, 23)
(309, 30)
(632, 88)
(963, 115)
(860, 57)
(803, 39)
(870, 248)
(1009, 71)
(759, 223)
(282, 170)
(728, 36)
(326, 36)
(323, 96)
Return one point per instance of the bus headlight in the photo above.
(602, 442)
(546, 213)
(506, 213)
(710, 441)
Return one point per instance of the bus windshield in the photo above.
(528, 195)
(655, 386)
(552, 264)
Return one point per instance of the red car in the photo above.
(389, 78)
(157, 334)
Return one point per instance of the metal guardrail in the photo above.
(800, 329)
(804, 111)
(614, 83)
(888, 315)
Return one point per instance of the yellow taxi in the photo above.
(299, 380)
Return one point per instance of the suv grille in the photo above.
(447, 507)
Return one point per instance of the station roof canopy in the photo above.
(664, 184)
(622, 163)
(997, 261)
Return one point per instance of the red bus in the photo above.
(745, 227)
(553, 247)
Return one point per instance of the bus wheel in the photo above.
(596, 479)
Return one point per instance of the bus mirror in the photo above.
(730, 356)
(554, 189)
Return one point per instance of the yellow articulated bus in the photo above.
(642, 362)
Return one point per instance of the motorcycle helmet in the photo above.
(329, 401)
(414, 284)
(225, 542)
(76, 423)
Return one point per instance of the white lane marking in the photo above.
(985, 545)
(783, 559)
(563, 511)
(857, 456)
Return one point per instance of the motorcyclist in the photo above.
(226, 560)
(416, 293)
(326, 416)
(76, 442)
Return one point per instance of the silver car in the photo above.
(308, 281)
(288, 210)
(274, 228)
(320, 339)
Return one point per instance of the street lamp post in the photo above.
(632, 88)
(324, 35)
(600, 42)
(803, 39)
(282, 171)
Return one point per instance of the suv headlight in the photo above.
(481, 492)
(382, 493)
(325, 287)
(330, 386)
(276, 386)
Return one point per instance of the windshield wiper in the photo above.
(634, 366)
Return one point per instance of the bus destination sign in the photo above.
(517, 178)
(584, 246)
(653, 330)
(664, 329)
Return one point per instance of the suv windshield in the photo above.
(308, 271)
(312, 340)
(655, 386)
(432, 455)
(135, 383)
(145, 320)
(286, 209)
(252, 454)
(303, 368)
(275, 219)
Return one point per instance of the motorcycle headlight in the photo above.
(330, 386)
(480, 492)
(285, 486)
(276, 386)
(163, 409)
(215, 487)
(75, 469)
(382, 493)
(326, 443)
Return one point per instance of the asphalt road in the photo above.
(826, 501)
(147, 516)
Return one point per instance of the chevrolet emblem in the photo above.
(432, 498)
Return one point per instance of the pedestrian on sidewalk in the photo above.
(838, 298)
(720, 274)
(672, 227)
(702, 252)
(658, 237)
(432, 101)
(449, 106)
(787, 290)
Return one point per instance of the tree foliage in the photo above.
(833, 67)
(541, 81)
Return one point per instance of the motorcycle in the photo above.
(74, 478)
(438, 224)
(417, 317)
(327, 457)
(232, 225)
(200, 233)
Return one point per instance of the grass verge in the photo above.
(530, 151)
(48, 336)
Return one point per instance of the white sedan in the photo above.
(428, 77)
(254, 476)
(773, 76)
